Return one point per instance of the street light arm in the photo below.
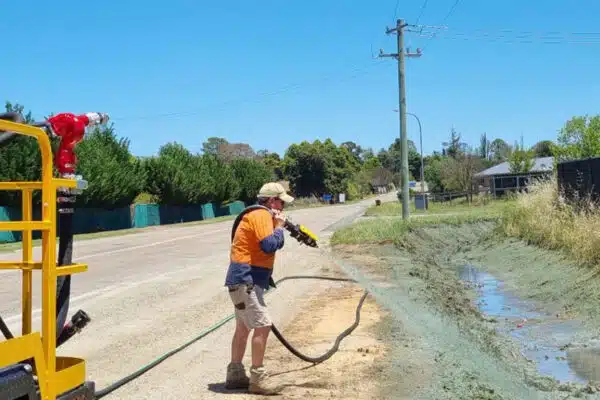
(422, 164)
(421, 143)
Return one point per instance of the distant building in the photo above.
(499, 180)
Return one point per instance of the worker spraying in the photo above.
(257, 235)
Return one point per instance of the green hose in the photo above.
(101, 393)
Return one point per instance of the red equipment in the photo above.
(71, 129)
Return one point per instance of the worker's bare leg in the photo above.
(239, 342)
(259, 378)
(236, 373)
(259, 344)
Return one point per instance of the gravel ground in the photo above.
(150, 292)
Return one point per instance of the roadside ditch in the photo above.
(484, 317)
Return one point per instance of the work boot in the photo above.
(261, 383)
(236, 377)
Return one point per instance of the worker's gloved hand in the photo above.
(272, 283)
(279, 218)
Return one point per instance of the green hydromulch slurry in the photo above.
(435, 327)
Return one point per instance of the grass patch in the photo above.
(459, 206)
(392, 230)
(388, 230)
(311, 202)
(542, 217)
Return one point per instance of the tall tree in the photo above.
(354, 149)
(20, 160)
(579, 138)
(230, 151)
(484, 147)
(454, 147)
(391, 158)
(457, 174)
(250, 175)
(115, 178)
(212, 145)
(272, 161)
(521, 160)
(500, 150)
(543, 148)
(433, 174)
(319, 167)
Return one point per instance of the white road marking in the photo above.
(141, 246)
(112, 289)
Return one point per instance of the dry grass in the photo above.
(542, 217)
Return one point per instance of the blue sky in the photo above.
(272, 73)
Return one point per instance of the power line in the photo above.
(521, 37)
(504, 31)
(256, 98)
(450, 12)
(423, 7)
(421, 11)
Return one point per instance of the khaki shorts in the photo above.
(249, 305)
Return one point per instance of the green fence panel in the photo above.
(7, 214)
(146, 215)
(179, 214)
(208, 210)
(233, 208)
(14, 214)
(85, 220)
(89, 220)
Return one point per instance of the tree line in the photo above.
(453, 168)
(225, 171)
(220, 173)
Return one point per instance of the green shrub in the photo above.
(115, 178)
(250, 175)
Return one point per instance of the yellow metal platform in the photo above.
(56, 375)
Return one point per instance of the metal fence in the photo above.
(580, 179)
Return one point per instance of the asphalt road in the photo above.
(150, 292)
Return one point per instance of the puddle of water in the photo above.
(543, 337)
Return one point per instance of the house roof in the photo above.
(541, 164)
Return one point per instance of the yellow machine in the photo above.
(33, 351)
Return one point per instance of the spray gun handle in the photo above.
(301, 234)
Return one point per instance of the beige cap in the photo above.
(274, 189)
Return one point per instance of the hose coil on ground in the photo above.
(314, 360)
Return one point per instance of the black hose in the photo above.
(340, 337)
(5, 331)
(315, 360)
(65, 256)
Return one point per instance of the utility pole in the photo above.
(399, 29)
